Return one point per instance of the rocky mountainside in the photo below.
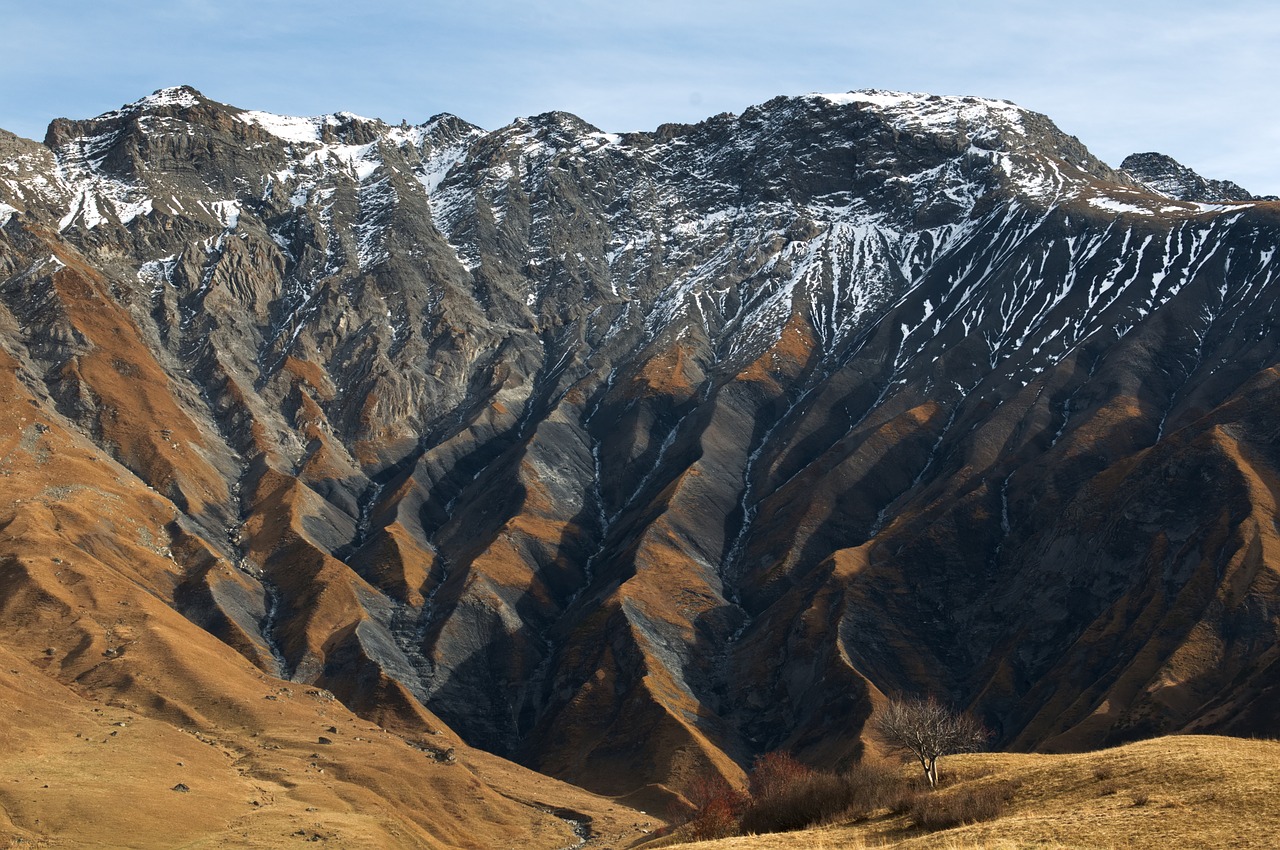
(631, 456)
(1164, 175)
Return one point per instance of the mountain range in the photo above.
(629, 457)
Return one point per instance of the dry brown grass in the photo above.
(1197, 791)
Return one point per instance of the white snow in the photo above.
(287, 127)
(873, 96)
(361, 159)
(228, 212)
(437, 165)
(128, 210)
(914, 110)
(1112, 205)
(173, 96)
(96, 195)
(157, 272)
(295, 129)
(852, 263)
(377, 201)
(178, 96)
(413, 137)
(1217, 208)
(85, 207)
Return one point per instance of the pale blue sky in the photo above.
(1191, 80)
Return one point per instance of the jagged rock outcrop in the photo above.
(1166, 176)
(630, 456)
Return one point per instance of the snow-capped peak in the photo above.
(915, 110)
(180, 96)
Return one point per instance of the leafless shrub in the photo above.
(806, 801)
(929, 730)
(718, 808)
(875, 785)
(774, 773)
(786, 795)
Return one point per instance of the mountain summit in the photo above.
(631, 456)
(1167, 176)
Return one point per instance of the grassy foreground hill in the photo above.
(1174, 792)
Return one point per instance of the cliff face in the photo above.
(1164, 175)
(632, 456)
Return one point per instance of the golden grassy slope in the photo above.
(110, 700)
(1166, 793)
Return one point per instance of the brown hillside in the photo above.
(110, 699)
(1205, 792)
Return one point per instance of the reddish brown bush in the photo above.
(718, 808)
(719, 819)
(786, 795)
(808, 800)
(774, 773)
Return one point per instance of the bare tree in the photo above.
(929, 730)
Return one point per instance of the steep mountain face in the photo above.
(1164, 175)
(631, 456)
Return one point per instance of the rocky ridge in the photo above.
(1164, 175)
(630, 456)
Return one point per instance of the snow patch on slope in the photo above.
(286, 127)
(298, 130)
(96, 195)
(1146, 205)
(362, 160)
(437, 165)
(377, 201)
(1112, 205)
(158, 273)
(228, 212)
